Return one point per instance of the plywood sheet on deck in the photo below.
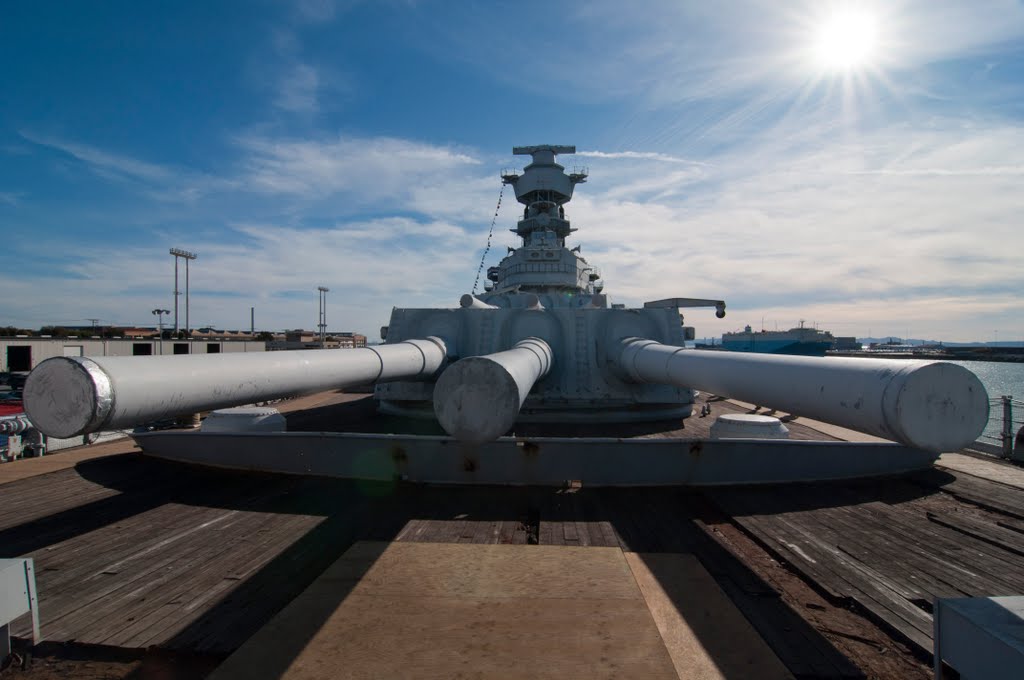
(450, 610)
(706, 636)
(992, 470)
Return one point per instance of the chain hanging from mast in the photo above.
(490, 235)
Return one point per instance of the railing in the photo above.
(1007, 430)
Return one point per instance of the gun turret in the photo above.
(613, 364)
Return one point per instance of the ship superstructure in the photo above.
(546, 289)
(543, 264)
(802, 341)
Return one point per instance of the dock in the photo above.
(144, 561)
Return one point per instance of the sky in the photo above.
(858, 165)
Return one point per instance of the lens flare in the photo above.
(846, 40)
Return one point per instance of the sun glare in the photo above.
(845, 41)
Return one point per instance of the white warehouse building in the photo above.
(19, 354)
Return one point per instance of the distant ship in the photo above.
(801, 340)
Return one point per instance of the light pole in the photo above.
(160, 325)
(179, 253)
(323, 315)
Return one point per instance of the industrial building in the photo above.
(303, 339)
(23, 353)
(846, 343)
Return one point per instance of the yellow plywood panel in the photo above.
(453, 569)
(431, 610)
(992, 470)
(447, 637)
(706, 636)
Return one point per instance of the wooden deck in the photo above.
(132, 552)
(893, 545)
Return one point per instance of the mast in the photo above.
(542, 263)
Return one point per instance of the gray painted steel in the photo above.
(748, 426)
(478, 398)
(245, 419)
(541, 461)
(980, 637)
(17, 597)
(932, 405)
(68, 396)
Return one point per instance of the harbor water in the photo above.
(999, 378)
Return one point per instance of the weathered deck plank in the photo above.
(881, 543)
(999, 536)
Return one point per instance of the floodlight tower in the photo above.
(179, 253)
(323, 315)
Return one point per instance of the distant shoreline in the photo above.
(1004, 355)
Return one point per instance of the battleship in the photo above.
(543, 344)
(571, 490)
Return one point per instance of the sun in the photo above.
(846, 41)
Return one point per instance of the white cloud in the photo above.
(106, 163)
(157, 181)
(347, 171)
(855, 233)
(316, 11)
(365, 168)
(368, 266)
(1002, 170)
(298, 89)
(902, 226)
(636, 155)
(682, 76)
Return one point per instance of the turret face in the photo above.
(543, 265)
(548, 293)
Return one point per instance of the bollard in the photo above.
(1018, 447)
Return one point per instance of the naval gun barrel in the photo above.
(69, 396)
(931, 405)
(477, 399)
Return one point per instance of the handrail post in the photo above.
(1007, 434)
